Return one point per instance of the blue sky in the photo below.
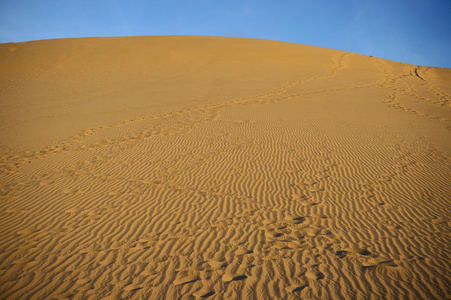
(411, 31)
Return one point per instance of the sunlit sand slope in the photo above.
(221, 168)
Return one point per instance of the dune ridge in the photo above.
(221, 168)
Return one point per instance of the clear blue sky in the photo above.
(411, 31)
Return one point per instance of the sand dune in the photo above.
(221, 168)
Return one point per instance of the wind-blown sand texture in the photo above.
(221, 168)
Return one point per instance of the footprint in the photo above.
(385, 178)
(438, 220)
(312, 231)
(330, 164)
(322, 175)
(83, 281)
(46, 182)
(229, 277)
(247, 265)
(314, 275)
(187, 279)
(133, 287)
(27, 231)
(243, 251)
(300, 197)
(310, 181)
(217, 264)
(341, 253)
(204, 293)
(195, 268)
(319, 216)
(374, 262)
(304, 200)
(359, 250)
(280, 245)
(151, 269)
(367, 188)
(74, 210)
(295, 245)
(297, 287)
(69, 191)
(294, 219)
(296, 234)
(354, 250)
(273, 234)
(236, 242)
(393, 227)
(315, 188)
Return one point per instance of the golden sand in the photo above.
(221, 168)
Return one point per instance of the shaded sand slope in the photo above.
(221, 168)
(84, 83)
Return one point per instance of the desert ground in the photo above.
(183, 167)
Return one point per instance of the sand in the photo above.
(221, 168)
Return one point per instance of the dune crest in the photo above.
(221, 168)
